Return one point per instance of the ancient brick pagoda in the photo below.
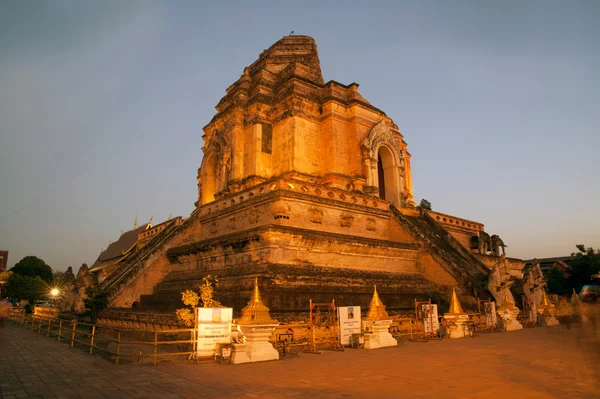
(307, 186)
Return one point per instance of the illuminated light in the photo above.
(273, 186)
(54, 292)
(291, 185)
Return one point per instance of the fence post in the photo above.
(118, 346)
(40, 326)
(92, 338)
(59, 329)
(155, 344)
(49, 321)
(73, 333)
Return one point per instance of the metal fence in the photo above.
(112, 341)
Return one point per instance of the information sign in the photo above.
(214, 327)
(349, 319)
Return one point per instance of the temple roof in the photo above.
(118, 249)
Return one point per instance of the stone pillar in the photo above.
(257, 327)
(377, 324)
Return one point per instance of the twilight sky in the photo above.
(102, 105)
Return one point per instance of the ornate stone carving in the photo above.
(253, 215)
(315, 215)
(280, 210)
(533, 287)
(231, 225)
(381, 134)
(346, 220)
(371, 224)
(499, 281)
(496, 244)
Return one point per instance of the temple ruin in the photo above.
(306, 185)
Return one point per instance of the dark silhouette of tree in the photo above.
(557, 282)
(96, 300)
(25, 287)
(425, 204)
(586, 263)
(32, 266)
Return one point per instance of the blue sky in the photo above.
(102, 106)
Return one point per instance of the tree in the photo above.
(586, 263)
(25, 287)
(32, 266)
(425, 204)
(557, 282)
(95, 301)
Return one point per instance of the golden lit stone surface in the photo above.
(377, 308)
(455, 307)
(255, 312)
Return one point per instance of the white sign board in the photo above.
(214, 327)
(349, 319)
(429, 317)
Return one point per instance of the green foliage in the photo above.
(425, 204)
(586, 263)
(557, 282)
(25, 287)
(32, 266)
(95, 301)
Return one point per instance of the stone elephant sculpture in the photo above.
(496, 244)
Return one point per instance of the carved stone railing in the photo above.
(466, 253)
(293, 185)
(133, 267)
(439, 242)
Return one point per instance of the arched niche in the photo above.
(386, 171)
(384, 165)
(208, 178)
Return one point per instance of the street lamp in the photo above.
(54, 294)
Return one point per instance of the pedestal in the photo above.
(380, 336)
(510, 320)
(257, 347)
(455, 324)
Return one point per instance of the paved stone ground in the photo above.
(533, 363)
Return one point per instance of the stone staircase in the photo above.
(456, 259)
(133, 266)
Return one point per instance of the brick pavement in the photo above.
(534, 363)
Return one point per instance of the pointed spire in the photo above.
(545, 301)
(149, 225)
(375, 301)
(170, 216)
(255, 293)
(376, 308)
(256, 312)
(455, 307)
(507, 304)
(135, 222)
